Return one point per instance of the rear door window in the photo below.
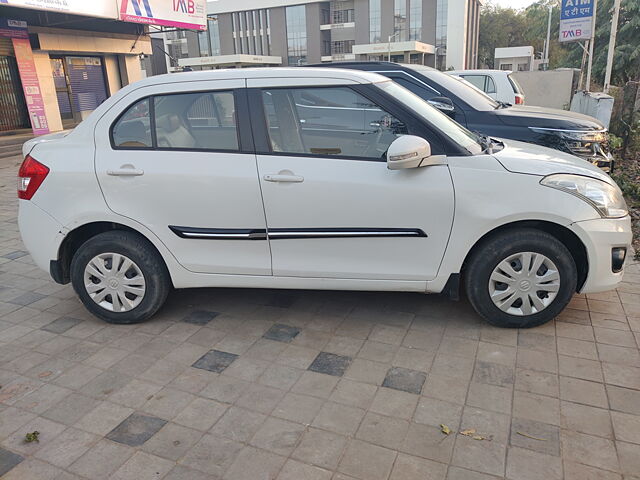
(203, 120)
(477, 81)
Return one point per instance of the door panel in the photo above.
(333, 208)
(202, 204)
(346, 196)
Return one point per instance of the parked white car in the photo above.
(311, 179)
(498, 84)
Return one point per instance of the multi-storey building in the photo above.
(439, 33)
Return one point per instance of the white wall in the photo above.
(456, 37)
(551, 88)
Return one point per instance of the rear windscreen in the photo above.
(514, 84)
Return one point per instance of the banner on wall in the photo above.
(16, 30)
(576, 20)
(189, 14)
(91, 8)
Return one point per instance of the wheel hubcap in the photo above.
(114, 282)
(524, 283)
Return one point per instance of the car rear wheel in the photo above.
(522, 278)
(120, 277)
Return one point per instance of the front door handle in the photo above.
(125, 172)
(283, 178)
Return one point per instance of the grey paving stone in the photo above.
(61, 325)
(282, 300)
(404, 379)
(547, 437)
(215, 361)
(8, 460)
(200, 317)
(330, 363)
(136, 429)
(493, 374)
(281, 333)
(27, 298)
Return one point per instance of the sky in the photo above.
(517, 4)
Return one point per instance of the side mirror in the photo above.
(409, 151)
(444, 104)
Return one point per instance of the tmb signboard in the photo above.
(576, 17)
(190, 14)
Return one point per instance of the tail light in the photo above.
(519, 99)
(30, 176)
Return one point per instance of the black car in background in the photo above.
(570, 132)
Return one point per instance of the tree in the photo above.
(626, 62)
(499, 27)
(505, 27)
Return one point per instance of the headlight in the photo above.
(607, 199)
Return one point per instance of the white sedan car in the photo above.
(311, 179)
(498, 84)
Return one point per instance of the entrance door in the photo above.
(62, 88)
(333, 208)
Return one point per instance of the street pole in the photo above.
(389, 45)
(591, 42)
(612, 45)
(546, 45)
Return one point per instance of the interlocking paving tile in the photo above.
(8, 460)
(200, 317)
(281, 333)
(536, 436)
(493, 374)
(16, 254)
(282, 300)
(136, 429)
(404, 379)
(27, 298)
(330, 363)
(61, 325)
(215, 361)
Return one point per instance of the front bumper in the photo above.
(600, 237)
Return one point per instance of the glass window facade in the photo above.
(441, 34)
(400, 20)
(415, 20)
(296, 34)
(250, 32)
(375, 21)
(209, 40)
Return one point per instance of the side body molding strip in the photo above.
(292, 233)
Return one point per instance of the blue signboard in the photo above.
(576, 18)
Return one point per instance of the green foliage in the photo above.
(32, 437)
(615, 142)
(506, 27)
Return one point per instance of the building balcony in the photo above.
(332, 26)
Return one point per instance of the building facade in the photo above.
(439, 33)
(60, 59)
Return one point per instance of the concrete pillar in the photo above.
(114, 82)
(48, 90)
(130, 69)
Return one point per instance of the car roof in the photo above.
(372, 65)
(481, 71)
(357, 76)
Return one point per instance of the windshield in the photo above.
(434, 117)
(457, 86)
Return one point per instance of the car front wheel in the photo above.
(120, 277)
(521, 278)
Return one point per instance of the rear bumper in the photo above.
(41, 233)
(600, 237)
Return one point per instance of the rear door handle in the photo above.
(125, 172)
(283, 178)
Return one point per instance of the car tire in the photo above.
(131, 293)
(506, 294)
